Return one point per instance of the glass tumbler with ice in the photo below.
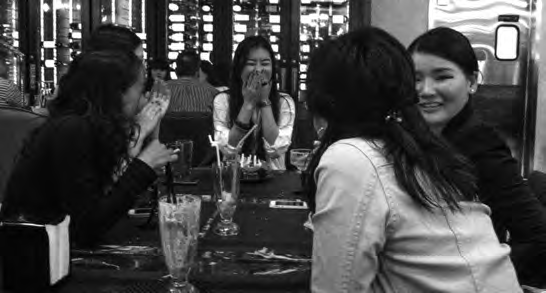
(226, 184)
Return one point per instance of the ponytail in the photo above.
(425, 166)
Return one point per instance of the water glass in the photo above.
(226, 185)
(179, 228)
(300, 158)
(182, 166)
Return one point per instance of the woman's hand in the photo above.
(156, 155)
(148, 119)
(265, 89)
(251, 87)
(160, 95)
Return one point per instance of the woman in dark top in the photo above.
(91, 158)
(446, 71)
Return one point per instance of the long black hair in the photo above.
(236, 83)
(363, 85)
(93, 89)
(213, 78)
(448, 44)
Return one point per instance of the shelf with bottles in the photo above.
(320, 20)
(257, 17)
(9, 41)
(190, 27)
(60, 37)
(44, 96)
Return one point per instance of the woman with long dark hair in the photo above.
(394, 206)
(253, 99)
(447, 73)
(93, 156)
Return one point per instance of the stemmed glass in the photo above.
(226, 183)
(300, 158)
(179, 228)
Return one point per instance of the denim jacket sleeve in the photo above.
(349, 222)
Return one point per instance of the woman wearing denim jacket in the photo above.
(394, 207)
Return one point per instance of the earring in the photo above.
(472, 91)
(320, 131)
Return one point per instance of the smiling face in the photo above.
(258, 59)
(443, 89)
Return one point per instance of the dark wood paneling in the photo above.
(30, 45)
(359, 14)
(157, 28)
(223, 36)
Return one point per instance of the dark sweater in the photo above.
(514, 207)
(57, 174)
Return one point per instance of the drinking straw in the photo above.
(215, 144)
(170, 183)
(234, 175)
(219, 163)
(242, 141)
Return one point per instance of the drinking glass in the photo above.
(226, 184)
(300, 158)
(182, 166)
(179, 228)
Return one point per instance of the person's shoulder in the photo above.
(195, 83)
(71, 125)
(477, 138)
(222, 88)
(221, 97)
(478, 131)
(4, 82)
(354, 153)
(286, 97)
(209, 88)
(7, 85)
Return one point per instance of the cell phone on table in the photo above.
(139, 212)
(288, 204)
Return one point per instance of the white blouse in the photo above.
(275, 153)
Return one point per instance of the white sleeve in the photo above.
(287, 116)
(349, 222)
(220, 119)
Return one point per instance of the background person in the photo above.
(10, 95)
(158, 70)
(253, 99)
(188, 94)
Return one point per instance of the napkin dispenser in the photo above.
(34, 257)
